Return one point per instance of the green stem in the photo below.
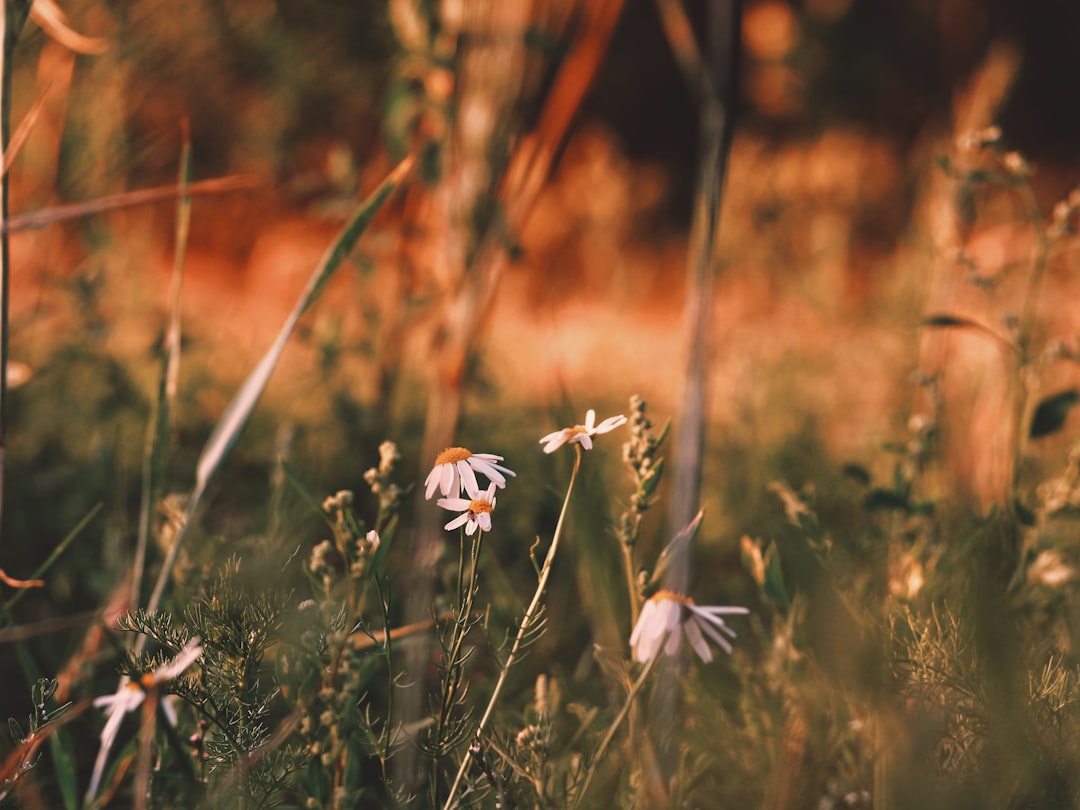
(602, 749)
(631, 583)
(526, 622)
(462, 626)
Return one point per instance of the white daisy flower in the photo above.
(582, 434)
(455, 466)
(475, 510)
(667, 615)
(131, 694)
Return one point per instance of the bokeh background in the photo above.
(838, 234)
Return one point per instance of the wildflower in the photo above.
(131, 694)
(1050, 569)
(475, 510)
(977, 139)
(371, 539)
(668, 615)
(454, 470)
(1016, 165)
(582, 434)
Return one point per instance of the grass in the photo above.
(887, 484)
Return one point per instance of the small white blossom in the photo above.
(475, 510)
(131, 694)
(455, 467)
(667, 615)
(1050, 569)
(582, 434)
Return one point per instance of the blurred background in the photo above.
(537, 263)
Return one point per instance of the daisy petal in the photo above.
(468, 478)
(673, 639)
(457, 522)
(431, 483)
(722, 642)
(488, 469)
(448, 479)
(697, 641)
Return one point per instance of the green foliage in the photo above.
(1051, 413)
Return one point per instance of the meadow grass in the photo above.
(489, 619)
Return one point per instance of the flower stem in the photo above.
(631, 582)
(526, 622)
(602, 749)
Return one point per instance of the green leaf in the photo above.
(661, 437)
(676, 547)
(306, 494)
(649, 484)
(15, 730)
(884, 499)
(773, 586)
(61, 547)
(923, 508)
(42, 690)
(944, 321)
(236, 414)
(856, 472)
(1051, 413)
(1024, 515)
(62, 748)
(386, 539)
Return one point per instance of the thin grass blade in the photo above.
(159, 427)
(5, 611)
(23, 131)
(236, 414)
(238, 411)
(126, 199)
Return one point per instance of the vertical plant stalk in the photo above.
(475, 251)
(13, 14)
(7, 38)
(523, 628)
(1025, 393)
(160, 424)
(631, 582)
(715, 84)
(454, 672)
(601, 750)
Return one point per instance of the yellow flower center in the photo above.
(478, 507)
(452, 455)
(577, 429)
(674, 597)
(145, 681)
